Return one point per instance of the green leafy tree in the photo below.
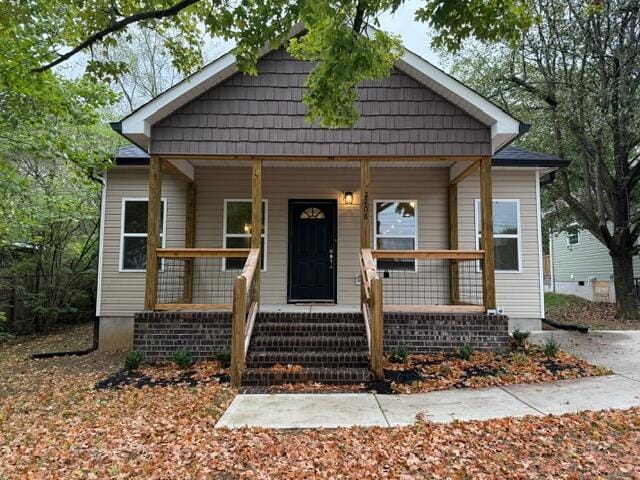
(337, 36)
(575, 77)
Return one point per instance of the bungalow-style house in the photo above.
(581, 265)
(234, 225)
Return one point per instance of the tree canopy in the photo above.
(50, 32)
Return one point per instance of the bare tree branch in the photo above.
(116, 27)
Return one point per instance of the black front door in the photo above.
(312, 250)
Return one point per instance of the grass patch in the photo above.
(558, 300)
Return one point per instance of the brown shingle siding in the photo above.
(265, 115)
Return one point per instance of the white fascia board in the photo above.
(504, 127)
(138, 124)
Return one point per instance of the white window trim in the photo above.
(569, 244)
(375, 226)
(517, 236)
(163, 234)
(265, 235)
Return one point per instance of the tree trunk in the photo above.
(626, 303)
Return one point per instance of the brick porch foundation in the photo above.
(159, 334)
(431, 332)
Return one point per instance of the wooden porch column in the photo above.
(256, 220)
(454, 273)
(486, 208)
(189, 241)
(154, 207)
(365, 221)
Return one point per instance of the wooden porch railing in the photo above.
(372, 311)
(449, 274)
(177, 275)
(245, 309)
(446, 281)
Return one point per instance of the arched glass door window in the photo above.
(312, 213)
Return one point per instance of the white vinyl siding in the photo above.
(517, 293)
(123, 294)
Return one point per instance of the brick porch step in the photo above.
(309, 329)
(298, 343)
(330, 317)
(309, 359)
(265, 376)
(326, 348)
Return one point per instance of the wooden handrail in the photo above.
(250, 265)
(243, 314)
(372, 311)
(425, 254)
(203, 252)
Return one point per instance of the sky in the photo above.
(415, 35)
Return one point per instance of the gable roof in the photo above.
(137, 126)
(507, 157)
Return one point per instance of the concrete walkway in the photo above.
(619, 351)
(369, 410)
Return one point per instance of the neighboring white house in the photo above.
(581, 265)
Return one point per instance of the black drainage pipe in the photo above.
(565, 326)
(77, 353)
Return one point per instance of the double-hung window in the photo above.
(506, 233)
(237, 231)
(573, 236)
(133, 233)
(396, 229)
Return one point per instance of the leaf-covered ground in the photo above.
(576, 310)
(427, 373)
(53, 424)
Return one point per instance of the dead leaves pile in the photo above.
(54, 425)
(442, 371)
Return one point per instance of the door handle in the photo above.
(331, 258)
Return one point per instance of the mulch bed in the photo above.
(165, 375)
(442, 371)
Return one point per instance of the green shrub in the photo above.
(519, 357)
(133, 359)
(224, 358)
(400, 354)
(520, 338)
(551, 347)
(183, 358)
(464, 352)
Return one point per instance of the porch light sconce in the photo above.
(348, 198)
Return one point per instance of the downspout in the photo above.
(547, 180)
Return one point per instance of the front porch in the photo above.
(433, 298)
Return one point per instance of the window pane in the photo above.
(505, 218)
(239, 217)
(135, 216)
(242, 242)
(134, 255)
(506, 252)
(572, 236)
(396, 244)
(395, 218)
